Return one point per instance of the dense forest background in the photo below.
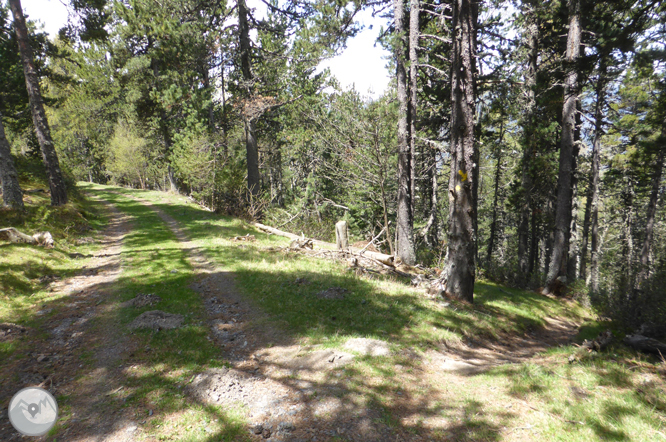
(524, 139)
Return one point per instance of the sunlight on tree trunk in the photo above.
(56, 182)
(460, 267)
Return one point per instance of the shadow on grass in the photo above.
(154, 368)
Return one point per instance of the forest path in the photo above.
(297, 390)
(76, 351)
(289, 391)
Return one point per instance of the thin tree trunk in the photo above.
(460, 268)
(430, 232)
(534, 255)
(49, 155)
(532, 43)
(652, 209)
(252, 151)
(414, 13)
(405, 226)
(498, 174)
(12, 195)
(628, 249)
(591, 209)
(572, 259)
(567, 156)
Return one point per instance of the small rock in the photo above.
(174, 271)
(131, 429)
(332, 293)
(286, 426)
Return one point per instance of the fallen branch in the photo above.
(600, 342)
(645, 344)
(14, 236)
(372, 241)
(381, 257)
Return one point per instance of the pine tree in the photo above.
(49, 155)
(460, 268)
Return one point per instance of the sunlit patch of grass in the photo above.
(26, 270)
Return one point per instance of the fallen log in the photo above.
(381, 257)
(645, 344)
(14, 236)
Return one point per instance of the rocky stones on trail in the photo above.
(222, 385)
(9, 331)
(157, 320)
(332, 293)
(368, 347)
(142, 300)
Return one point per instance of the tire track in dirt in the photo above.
(291, 392)
(79, 357)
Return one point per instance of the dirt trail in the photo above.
(290, 392)
(299, 391)
(77, 324)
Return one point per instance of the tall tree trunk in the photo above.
(460, 268)
(591, 209)
(252, 151)
(498, 174)
(529, 122)
(652, 209)
(431, 232)
(534, 244)
(572, 259)
(567, 155)
(12, 195)
(628, 246)
(405, 227)
(414, 13)
(56, 181)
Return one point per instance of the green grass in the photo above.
(164, 361)
(616, 409)
(23, 266)
(616, 395)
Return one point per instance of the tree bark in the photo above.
(460, 268)
(252, 151)
(652, 209)
(567, 156)
(591, 219)
(414, 12)
(532, 44)
(49, 155)
(430, 232)
(12, 195)
(405, 224)
(498, 174)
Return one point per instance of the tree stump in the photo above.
(342, 235)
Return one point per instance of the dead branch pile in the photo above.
(302, 243)
(14, 236)
(362, 261)
(600, 342)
